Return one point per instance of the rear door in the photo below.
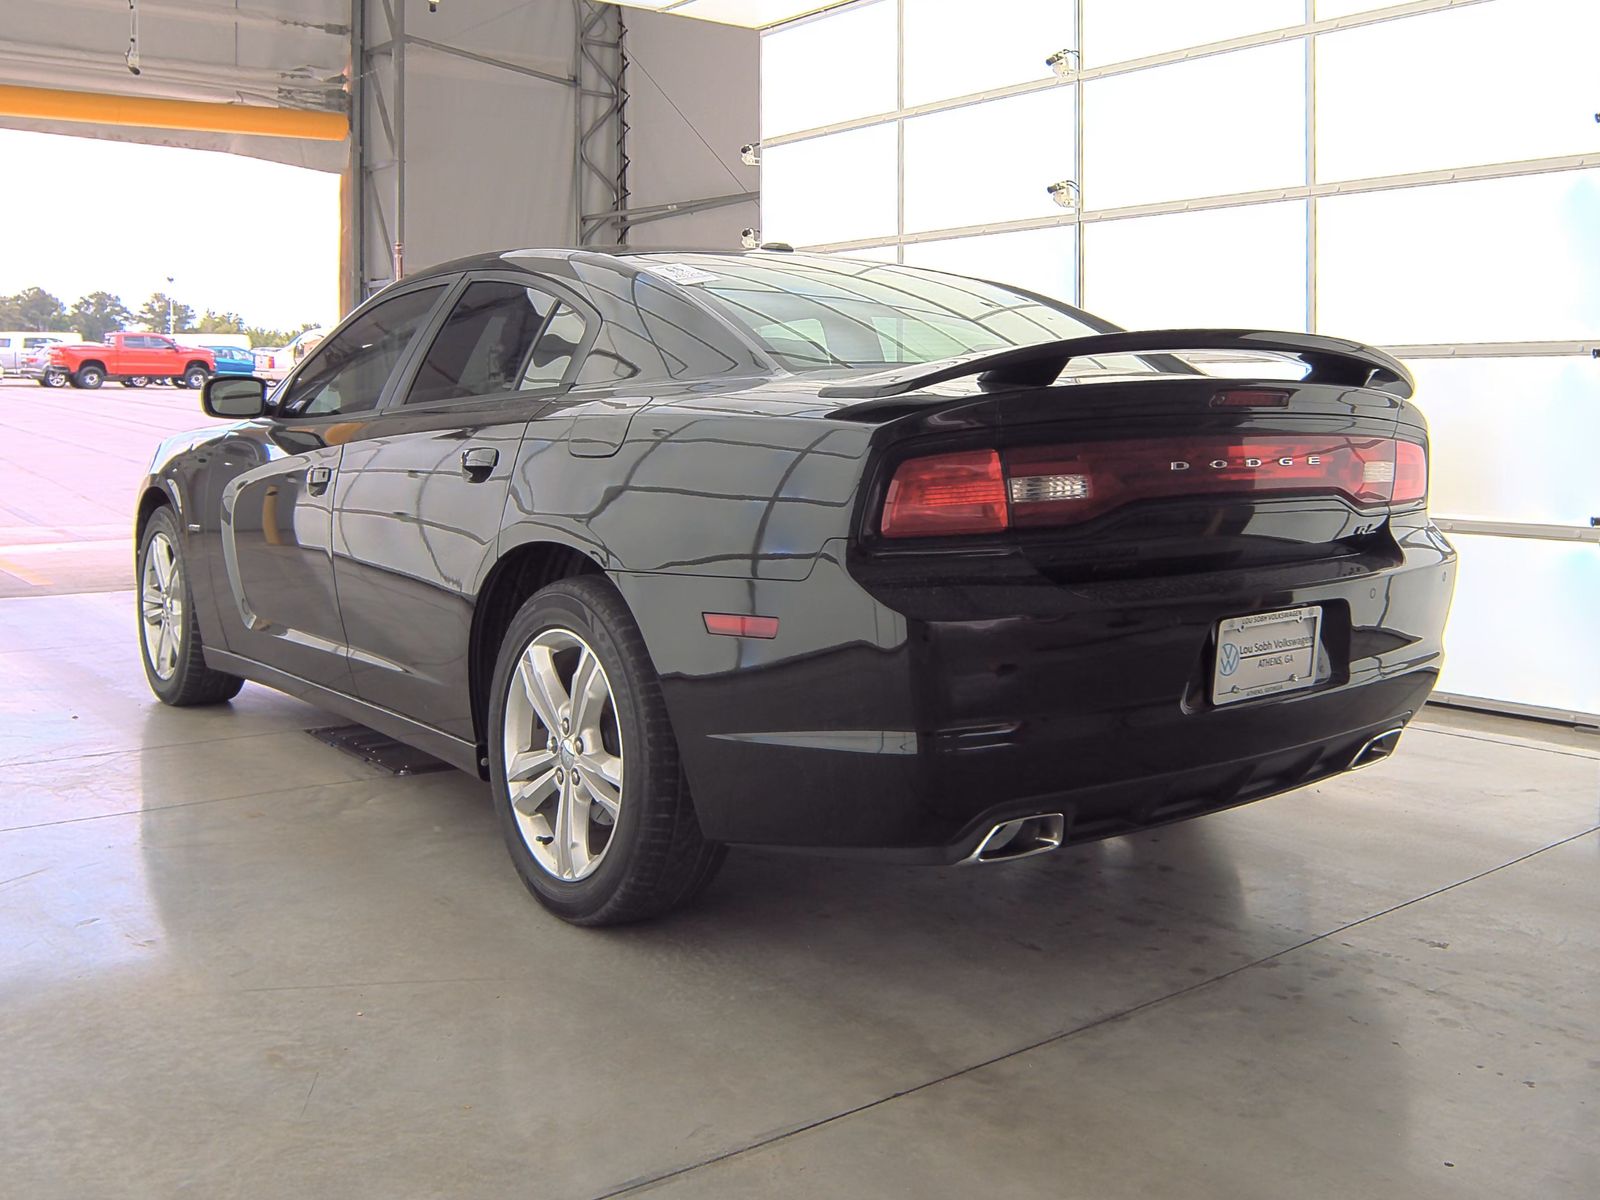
(142, 354)
(422, 488)
(276, 512)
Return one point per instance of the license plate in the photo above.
(1265, 654)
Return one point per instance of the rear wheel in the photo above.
(584, 766)
(89, 377)
(174, 658)
(136, 381)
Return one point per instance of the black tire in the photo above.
(177, 381)
(656, 859)
(135, 381)
(90, 376)
(194, 376)
(191, 681)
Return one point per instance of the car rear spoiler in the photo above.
(1331, 360)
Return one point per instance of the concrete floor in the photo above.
(236, 962)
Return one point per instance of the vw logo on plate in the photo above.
(1230, 659)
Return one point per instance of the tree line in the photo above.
(100, 313)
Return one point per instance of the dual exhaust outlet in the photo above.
(1376, 749)
(1020, 838)
(1023, 837)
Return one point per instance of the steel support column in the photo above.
(378, 130)
(600, 167)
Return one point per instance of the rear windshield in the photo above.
(816, 313)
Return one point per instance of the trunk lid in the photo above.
(1139, 475)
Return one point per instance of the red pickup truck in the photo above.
(132, 359)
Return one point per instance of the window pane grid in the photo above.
(1427, 180)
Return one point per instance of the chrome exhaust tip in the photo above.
(1376, 749)
(1020, 838)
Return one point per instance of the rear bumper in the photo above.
(910, 736)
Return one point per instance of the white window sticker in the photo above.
(680, 272)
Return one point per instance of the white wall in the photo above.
(694, 89)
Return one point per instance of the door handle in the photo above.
(317, 480)
(478, 462)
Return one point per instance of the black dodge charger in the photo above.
(688, 550)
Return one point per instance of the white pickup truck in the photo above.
(17, 345)
(274, 364)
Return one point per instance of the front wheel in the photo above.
(584, 766)
(195, 377)
(174, 658)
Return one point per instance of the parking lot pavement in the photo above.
(70, 462)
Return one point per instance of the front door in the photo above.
(422, 493)
(276, 515)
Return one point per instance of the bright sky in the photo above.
(237, 234)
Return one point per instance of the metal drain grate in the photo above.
(379, 749)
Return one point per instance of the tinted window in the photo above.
(812, 312)
(348, 371)
(500, 337)
(650, 332)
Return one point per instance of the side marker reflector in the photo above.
(740, 625)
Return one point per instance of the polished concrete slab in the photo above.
(236, 962)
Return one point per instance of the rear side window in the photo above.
(650, 333)
(500, 337)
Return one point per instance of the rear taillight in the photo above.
(983, 492)
(1410, 473)
(946, 494)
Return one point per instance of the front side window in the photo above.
(500, 337)
(349, 371)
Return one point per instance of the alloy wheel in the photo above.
(161, 606)
(563, 754)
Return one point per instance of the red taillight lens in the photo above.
(1410, 473)
(978, 492)
(946, 494)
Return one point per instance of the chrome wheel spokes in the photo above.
(563, 754)
(161, 606)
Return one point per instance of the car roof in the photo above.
(557, 260)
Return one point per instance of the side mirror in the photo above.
(234, 397)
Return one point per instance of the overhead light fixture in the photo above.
(433, 6)
(1066, 194)
(1063, 62)
(750, 154)
(750, 238)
